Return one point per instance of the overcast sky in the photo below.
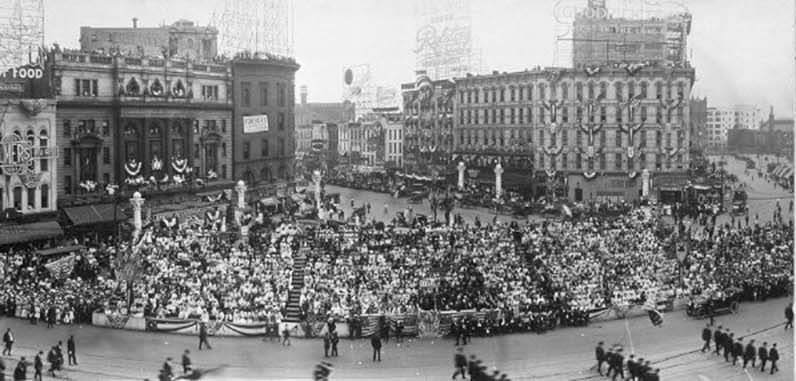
(743, 50)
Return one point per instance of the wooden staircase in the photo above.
(296, 284)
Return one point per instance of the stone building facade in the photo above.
(182, 39)
(123, 119)
(589, 134)
(428, 124)
(264, 87)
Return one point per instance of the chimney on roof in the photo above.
(304, 95)
(135, 22)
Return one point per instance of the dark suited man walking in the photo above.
(8, 340)
(737, 351)
(718, 340)
(706, 334)
(762, 353)
(599, 353)
(375, 342)
(70, 350)
(789, 316)
(750, 354)
(773, 356)
(203, 336)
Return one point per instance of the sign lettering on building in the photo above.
(255, 123)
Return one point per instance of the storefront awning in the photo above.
(94, 214)
(11, 234)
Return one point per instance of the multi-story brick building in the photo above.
(125, 118)
(593, 131)
(264, 117)
(428, 124)
(698, 110)
(182, 39)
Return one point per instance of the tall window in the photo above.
(68, 157)
(245, 94)
(281, 146)
(618, 140)
(618, 160)
(45, 196)
(246, 150)
(106, 155)
(643, 142)
(281, 121)
(263, 94)
(281, 95)
(68, 128)
(602, 161)
(264, 148)
(578, 161)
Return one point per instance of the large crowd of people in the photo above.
(535, 275)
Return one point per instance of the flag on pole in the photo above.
(655, 316)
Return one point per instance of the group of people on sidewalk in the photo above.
(54, 357)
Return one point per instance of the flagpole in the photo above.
(629, 336)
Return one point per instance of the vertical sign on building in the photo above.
(444, 40)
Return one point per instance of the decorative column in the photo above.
(645, 183)
(498, 180)
(137, 202)
(241, 189)
(461, 167)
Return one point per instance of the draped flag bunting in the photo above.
(655, 316)
(61, 268)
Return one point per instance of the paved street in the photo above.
(563, 354)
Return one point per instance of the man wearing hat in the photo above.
(460, 364)
(599, 353)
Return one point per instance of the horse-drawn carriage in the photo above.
(703, 306)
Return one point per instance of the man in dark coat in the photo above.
(203, 336)
(52, 360)
(750, 354)
(375, 342)
(619, 361)
(460, 364)
(21, 371)
(737, 351)
(789, 316)
(326, 344)
(609, 359)
(186, 362)
(51, 317)
(167, 370)
(762, 353)
(631, 367)
(335, 340)
(728, 343)
(718, 339)
(38, 366)
(653, 376)
(706, 334)
(773, 356)
(70, 349)
(599, 353)
(8, 340)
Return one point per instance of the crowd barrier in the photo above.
(428, 324)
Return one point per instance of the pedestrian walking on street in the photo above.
(203, 336)
(718, 339)
(750, 354)
(8, 340)
(327, 342)
(38, 366)
(599, 354)
(737, 351)
(762, 353)
(286, 336)
(619, 369)
(460, 364)
(71, 351)
(335, 340)
(789, 316)
(375, 342)
(21, 371)
(706, 334)
(773, 356)
(186, 362)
